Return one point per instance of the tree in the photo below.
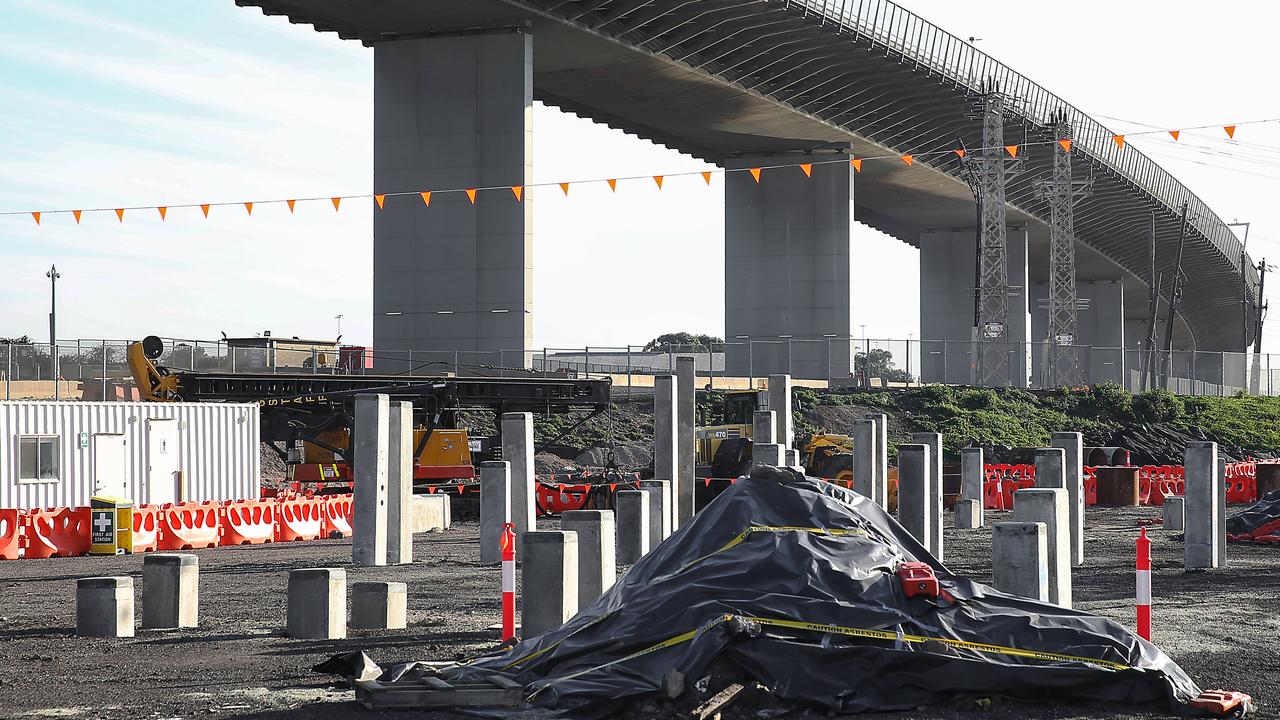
(682, 342)
(879, 363)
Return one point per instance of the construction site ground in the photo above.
(1222, 626)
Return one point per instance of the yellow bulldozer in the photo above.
(725, 450)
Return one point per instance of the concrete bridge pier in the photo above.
(787, 267)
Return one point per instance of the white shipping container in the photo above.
(59, 454)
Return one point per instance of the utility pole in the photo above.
(1062, 192)
(53, 323)
(1166, 362)
(1153, 285)
(1262, 311)
(338, 317)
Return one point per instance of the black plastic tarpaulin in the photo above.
(1260, 522)
(794, 580)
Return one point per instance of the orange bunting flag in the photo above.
(960, 152)
(77, 214)
(380, 199)
(857, 164)
(1012, 150)
(807, 168)
(1119, 140)
(248, 208)
(565, 188)
(755, 173)
(163, 212)
(120, 214)
(1066, 145)
(426, 198)
(613, 184)
(471, 195)
(205, 208)
(1231, 131)
(908, 160)
(518, 191)
(658, 179)
(706, 482)
(706, 176)
(36, 215)
(1175, 134)
(335, 201)
(290, 202)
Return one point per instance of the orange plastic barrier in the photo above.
(299, 519)
(57, 532)
(250, 522)
(189, 526)
(146, 528)
(1090, 486)
(10, 533)
(337, 515)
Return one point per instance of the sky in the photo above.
(111, 103)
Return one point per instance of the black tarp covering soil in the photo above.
(1258, 522)
(794, 580)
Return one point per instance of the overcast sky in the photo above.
(110, 103)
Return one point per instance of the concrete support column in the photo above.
(1049, 506)
(686, 420)
(973, 477)
(1072, 445)
(659, 510)
(1049, 468)
(549, 583)
(517, 450)
(379, 605)
(453, 112)
(1020, 559)
(170, 591)
(666, 438)
(787, 268)
(1205, 509)
(864, 460)
(764, 427)
(934, 441)
(369, 497)
(882, 459)
(768, 454)
(1174, 514)
(495, 507)
(780, 404)
(915, 492)
(400, 464)
(633, 525)
(597, 543)
(104, 607)
(317, 604)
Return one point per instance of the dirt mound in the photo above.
(626, 455)
(544, 463)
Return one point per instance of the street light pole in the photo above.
(53, 323)
(338, 317)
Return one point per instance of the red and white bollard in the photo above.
(508, 542)
(1144, 586)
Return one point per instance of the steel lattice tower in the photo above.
(993, 256)
(1061, 192)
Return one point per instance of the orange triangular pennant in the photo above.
(1012, 150)
(807, 168)
(565, 187)
(248, 208)
(658, 179)
(755, 173)
(291, 204)
(1175, 134)
(613, 184)
(908, 159)
(335, 201)
(706, 176)
(380, 199)
(1231, 131)
(163, 212)
(426, 198)
(959, 152)
(1119, 140)
(1066, 144)
(471, 195)
(205, 208)
(120, 214)
(77, 214)
(518, 191)
(856, 163)
(36, 215)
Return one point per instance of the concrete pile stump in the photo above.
(431, 513)
(369, 497)
(764, 427)
(104, 607)
(1174, 514)
(633, 525)
(170, 591)
(972, 478)
(659, 510)
(666, 437)
(597, 556)
(317, 604)
(400, 449)
(1072, 445)
(768, 454)
(1020, 559)
(968, 514)
(495, 508)
(780, 403)
(549, 582)
(1049, 506)
(517, 450)
(934, 441)
(1204, 501)
(864, 460)
(379, 606)
(686, 422)
(882, 459)
(915, 492)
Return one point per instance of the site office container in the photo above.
(59, 454)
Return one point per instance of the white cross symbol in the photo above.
(102, 523)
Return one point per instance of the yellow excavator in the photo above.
(725, 450)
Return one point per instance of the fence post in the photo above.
(8, 373)
(586, 360)
(711, 365)
(628, 367)
(104, 370)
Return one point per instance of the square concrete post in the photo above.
(791, 458)
(1049, 468)
(495, 507)
(915, 492)
(968, 514)
(1205, 522)
(1072, 444)
(1220, 531)
(972, 476)
(780, 404)
(1020, 559)
(686, 414)
(430, 513)
(1174, 513)
(317, 604)
(549, 583)
(633, 525)
(369, 498)
(597, 559)
(400, 462)
(1049, 506)
(659, 510)
(764, 427)
(934, 441)
(170, 591)
(767, 454)
(104, 607)
(666, 437)
(379, 606)
(882, 459)
(864, 459)
(517, 450)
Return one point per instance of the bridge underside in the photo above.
(724, 80)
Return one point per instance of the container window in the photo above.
(37, 458)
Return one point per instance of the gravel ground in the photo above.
(1221, 626)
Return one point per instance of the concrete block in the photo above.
(767, 454)
(780, 404)
(934, 441)
(495, 507)
(968, 514)
(429, 513)
(633, 525)
(400, 483)
(104, 607)
(972, 477)
(686, 419)
(1050, 472)
(1020, 559)
(882, 459)
(1175, 514)
(1072, 445)
(597, 551)
(549, 583)
(792, 458)
(317, 604)
(379, 606)
(1205, 506)
(369, 497)
(659, 510)
(666, 432)
(915, 492)
(1049, 506)
(864, 459)
(170, 591)
(517, 450)
(764, 427)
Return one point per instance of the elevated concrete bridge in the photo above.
(744, 83)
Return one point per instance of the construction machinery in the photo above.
(725, 450)
(308, 418)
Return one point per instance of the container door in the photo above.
(110, 474)
(163, 478)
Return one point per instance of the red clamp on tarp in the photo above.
(918, 579)
(1226, 703)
